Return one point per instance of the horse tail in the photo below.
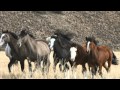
(114, 59)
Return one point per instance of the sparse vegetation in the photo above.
(17, 74)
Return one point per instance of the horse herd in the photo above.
(26, 46)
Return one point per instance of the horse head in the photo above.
(51, 40)
(6, 37)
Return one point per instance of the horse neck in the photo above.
(81, 50)
(94, 51)
(13, 44)
(62, 44)
(30, 44)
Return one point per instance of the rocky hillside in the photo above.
(104, 25)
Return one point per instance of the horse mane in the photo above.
(92, 39)
(11, 33)
(24, 32)
(64, 34)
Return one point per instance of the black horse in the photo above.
(13, 51)
(60, 43)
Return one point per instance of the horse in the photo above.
(79, 57)
(96, 42)
(12, 50)
(38, 50)
(61, 52)
(114, 59)
(98, 55)
(60, 43)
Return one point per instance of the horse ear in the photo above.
(86, 38)
(6, 30)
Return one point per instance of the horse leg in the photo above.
(74, 70)
(30, 65)
(22, 65)
(55, 63)
(61, 65)
(100, 70)
(109, 64)
(84, 71)
(67, 70)
(105, 66)
(93, 71)
(89, 67)
(48, 63)
(12, 61)
(54, 66)
(36, 66)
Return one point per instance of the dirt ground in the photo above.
(17, 74)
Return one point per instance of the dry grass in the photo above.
(17, 74)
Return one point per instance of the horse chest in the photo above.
(62, 53)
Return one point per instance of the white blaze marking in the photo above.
(1, 40)
(52, 43)
(73, 53)
(88, 46)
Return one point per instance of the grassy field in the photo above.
(17, 74)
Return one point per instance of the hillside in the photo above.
(104, 25)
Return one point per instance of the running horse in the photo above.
(60, 44)
(38, 50)
(98, 55)
(12, 50)
(96, 42)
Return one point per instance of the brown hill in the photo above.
(104, 25)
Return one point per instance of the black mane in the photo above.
(64, 34)
(11, 33)
(25, 32)
(92, 39)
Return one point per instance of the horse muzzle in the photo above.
(2, 42)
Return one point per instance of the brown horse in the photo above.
(98, 55)
(96, 42)
(78, 57)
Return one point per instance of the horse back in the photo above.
(42, 47)
(105, 52)
(81, 56)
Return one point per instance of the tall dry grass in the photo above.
(17, 74)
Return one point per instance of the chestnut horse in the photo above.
(98, 55)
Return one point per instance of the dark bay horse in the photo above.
(78, 57)
(98, 55)
(12, 49)
(38, 50)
